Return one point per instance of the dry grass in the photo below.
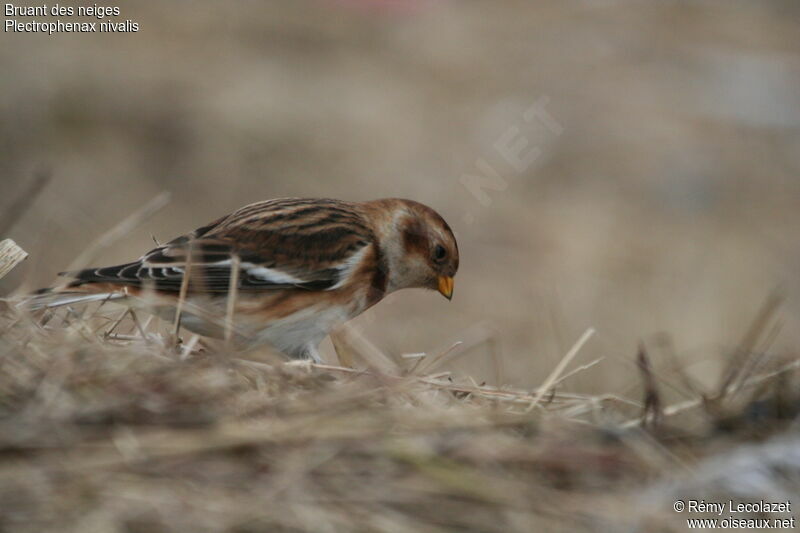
(108, 426)
(667, 203)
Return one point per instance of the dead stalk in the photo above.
(233, 290)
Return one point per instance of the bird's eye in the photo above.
(439, 253)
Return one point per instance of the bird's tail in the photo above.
(50, 298)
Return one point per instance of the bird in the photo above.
(285, 271)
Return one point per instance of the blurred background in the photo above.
(624, 165)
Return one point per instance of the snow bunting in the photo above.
(300, 268)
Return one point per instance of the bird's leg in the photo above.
(313, 354)
(308, 357)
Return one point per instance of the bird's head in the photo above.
(419, 246)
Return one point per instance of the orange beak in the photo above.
(446, 284)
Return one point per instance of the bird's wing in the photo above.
(278, 244)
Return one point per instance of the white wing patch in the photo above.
(348, 268)
(270, 275)
(345, 270)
